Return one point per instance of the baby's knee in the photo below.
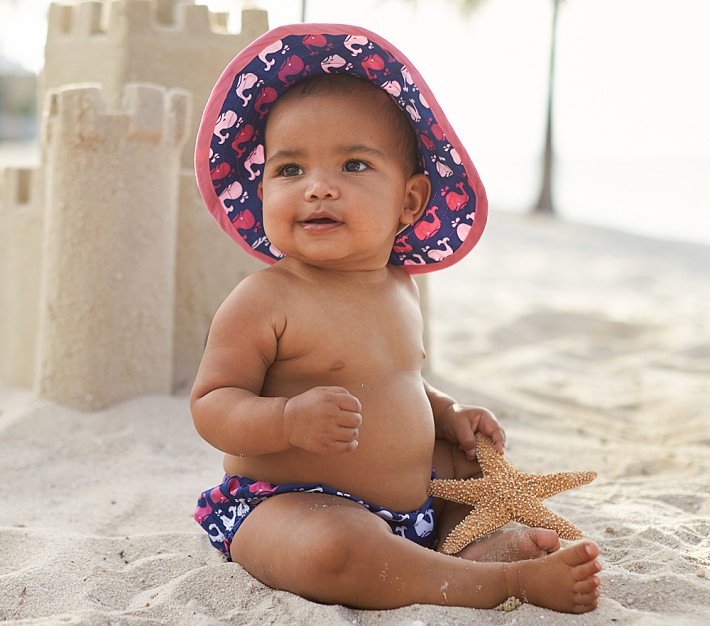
(329, 552)
(336, 539)
(297, 539)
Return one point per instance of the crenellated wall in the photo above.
(166, 42)
(110, 266)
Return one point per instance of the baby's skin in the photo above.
(312, 373)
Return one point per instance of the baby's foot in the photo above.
(564, 581)
(513, 545)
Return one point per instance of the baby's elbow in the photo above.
(200, 414)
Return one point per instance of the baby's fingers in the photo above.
(342, 440)
(348, 409)
(347, 435)
(346, 401)
(492, 429)
(342, 447)
(466, 439)
(498, 438)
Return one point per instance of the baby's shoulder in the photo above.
(266, 290)
(257, 292)
(255, 303)
(264, 284)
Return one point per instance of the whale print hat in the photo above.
(229, 155)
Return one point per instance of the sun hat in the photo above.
(229, 154)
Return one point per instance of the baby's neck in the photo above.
(354, 276)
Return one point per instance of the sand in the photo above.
(592, 347)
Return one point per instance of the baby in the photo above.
(323, 153)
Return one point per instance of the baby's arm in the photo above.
(226, 405)
(458, 423)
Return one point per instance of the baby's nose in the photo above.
(320, 188)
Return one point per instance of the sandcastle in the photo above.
(110, 268)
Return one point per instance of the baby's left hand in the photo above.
(461, 422)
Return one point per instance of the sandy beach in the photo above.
(593, 348)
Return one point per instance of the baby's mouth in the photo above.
(321, 220)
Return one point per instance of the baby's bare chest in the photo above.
(351, 338)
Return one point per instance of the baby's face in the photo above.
(335, 186)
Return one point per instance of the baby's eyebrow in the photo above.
(284, 155)
(360, 148)
(288, 154)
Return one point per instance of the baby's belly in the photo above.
(391, 466)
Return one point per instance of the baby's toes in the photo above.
(581, 553)
(584, 602)
(588, 585)
(587, 599)
(547, 540)
(584, 571)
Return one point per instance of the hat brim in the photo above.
(229, 153)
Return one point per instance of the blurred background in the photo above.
(630, 96)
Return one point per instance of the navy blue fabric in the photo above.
(222, 509)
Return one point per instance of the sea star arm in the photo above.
(537, 515)
(490, 460)
(462, 491)
(548, 485)
(478, 523)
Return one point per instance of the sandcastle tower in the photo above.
(103, 310)
(111, 268)
(20, 270)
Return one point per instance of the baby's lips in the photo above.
(320, 217)
(321, 220)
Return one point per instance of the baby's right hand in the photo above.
(324, 420)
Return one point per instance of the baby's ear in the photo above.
(416, 199)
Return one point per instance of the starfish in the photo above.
(505, 494)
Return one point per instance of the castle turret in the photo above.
(20, 265)
(108, 291)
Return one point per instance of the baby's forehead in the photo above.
(377, 105)
(340, 86)
(350, 90)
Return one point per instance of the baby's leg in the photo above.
(333, 550)
(505, 545)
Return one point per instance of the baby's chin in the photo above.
(335, 264)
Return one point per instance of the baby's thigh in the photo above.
(450, 462)
(296, 535)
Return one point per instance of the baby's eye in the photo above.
(355, 166)
(290, 170)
